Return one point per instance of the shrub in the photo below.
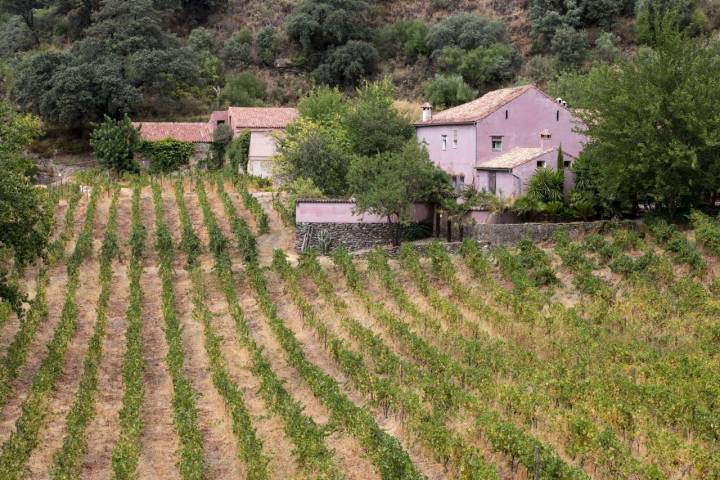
(238, 151)
(221, 139)
(448, 91)
(490, 66)
(238, 50)
(266, 46)
(348, 65)
(606, 47)
(114, 143)
(546, 186)
(570, 47)
(167, 155)
(467, 31)
(202, 40)
(243, 90)
(540, 68)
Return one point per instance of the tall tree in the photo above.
(24, 214)
(654, 126)
(391, 183)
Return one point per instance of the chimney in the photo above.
(427, 112)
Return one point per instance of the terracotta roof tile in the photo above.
(262, 117)
(477, 109)
(513, 158)
(186, 132)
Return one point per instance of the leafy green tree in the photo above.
(540, 69)
(448, 91)
(15, 37)
(373, 124)
(324, 105)
(238, 50)
(24, 209)
(319, 25)
(167, 155)
(391, 183)
(466, 31)
(25, 9)
(222, 136)
(449, 59)
(606, 47)
(243, 90)
(349, 64)
(267, 46)
(654, 126)
(114, 144)
(238, 152)
(490, 66)
(320, 153)
(654, 16)
(570, 47)
(202, 41)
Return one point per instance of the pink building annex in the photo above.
(497, 141)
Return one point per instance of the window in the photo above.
(455, 139)
(506, 114)
(496, 143)
(221, 122)
(458, 182)
(443, 139)
(492, 182)
(541, 164)
(567, 163)
(557, 116)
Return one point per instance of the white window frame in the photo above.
(455, 139)
(443, 142)
(493, 140)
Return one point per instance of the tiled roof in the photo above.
(221, 115)
(513, 158)
(477, 109)
(186, 132)
(261, 117)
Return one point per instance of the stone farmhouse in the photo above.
(265, 124)
(496, 142)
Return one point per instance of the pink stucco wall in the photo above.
(527, 116)
(342, 212)
(514, 184)
(455, 160)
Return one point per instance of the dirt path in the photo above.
(55, 298)
(159, 440)
(104, 429)
(52, 434)
(280, 236)
(219, 441)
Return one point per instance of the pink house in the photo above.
(497, 141)
(265, 125)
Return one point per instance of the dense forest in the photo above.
(73, 61)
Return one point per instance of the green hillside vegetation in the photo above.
(73, 61)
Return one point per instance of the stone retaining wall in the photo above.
(352, 236)
(511, 233)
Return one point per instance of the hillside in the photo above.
(166, 339)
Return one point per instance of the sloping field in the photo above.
(169, 338)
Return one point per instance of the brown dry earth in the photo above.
(219, 441)
(103, 431)
(317, 354)
(52, 433)
(348, 453)
(269, 427)
(55, 297)
(159, 439)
